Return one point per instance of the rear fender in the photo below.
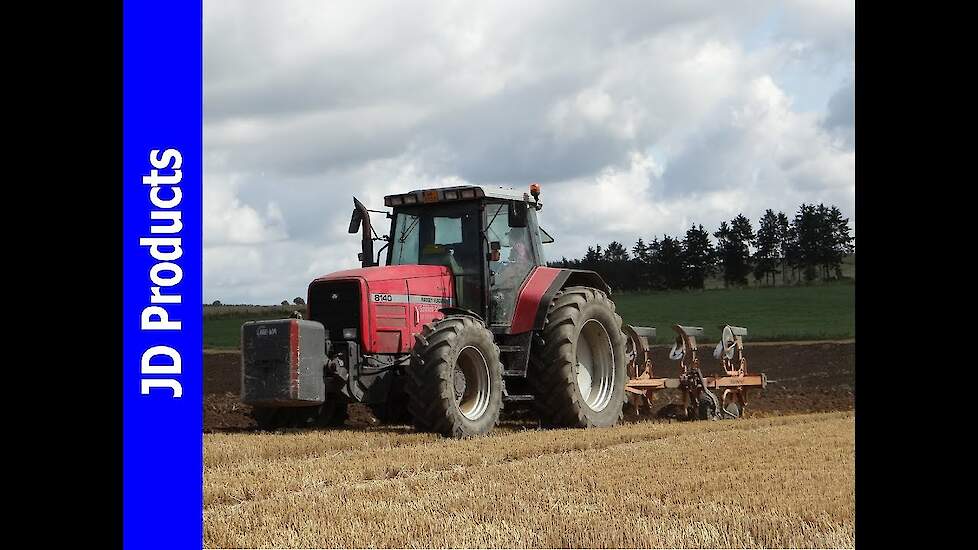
(539, 290)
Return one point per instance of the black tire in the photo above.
(455, 344)
(554, 364)
(278, 418)
(330, 414)
(303, 417)
(269, 418)
(673, 411)
(394, 410)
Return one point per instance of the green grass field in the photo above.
(821, 312)
(222, 324)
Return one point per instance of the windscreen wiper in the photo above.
(408, 229)
(486, 237)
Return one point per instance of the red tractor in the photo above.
(464, 317)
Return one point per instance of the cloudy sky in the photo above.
(637, 118)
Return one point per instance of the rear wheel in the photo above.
(454, 383)
(579, 372)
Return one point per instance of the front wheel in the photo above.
(454, 382)
(579, 371)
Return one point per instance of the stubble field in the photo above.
(782, 477)
(761, 482)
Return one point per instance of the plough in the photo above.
(698, 398)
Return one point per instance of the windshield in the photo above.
(443, 234)
(421, 233)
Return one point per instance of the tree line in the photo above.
(297, 301)
(810, 246)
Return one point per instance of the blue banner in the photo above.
(162, 275)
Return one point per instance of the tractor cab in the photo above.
(487, 237)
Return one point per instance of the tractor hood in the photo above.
(387, 273)
(388, 304)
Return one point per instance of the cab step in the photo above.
(517, 398)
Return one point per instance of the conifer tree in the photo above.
(698, 257)
(785, 244)
(733, 249)
(657, 269)
(671, 262)
(807, 250)
(767, 257)
(843, 243)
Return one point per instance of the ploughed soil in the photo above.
(802, 377)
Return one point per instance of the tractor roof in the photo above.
(458, 192)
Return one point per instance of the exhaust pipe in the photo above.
(361, 220)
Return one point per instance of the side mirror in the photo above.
(545, 237)
(517, 214)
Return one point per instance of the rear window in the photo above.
(448, 230)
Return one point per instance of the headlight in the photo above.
(410, 199)
(451, 195)
(349, 334)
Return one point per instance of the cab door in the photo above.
(517, 257)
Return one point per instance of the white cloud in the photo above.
(227, 221)
(639, 118)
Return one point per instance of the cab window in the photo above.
(514, 264)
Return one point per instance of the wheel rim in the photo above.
(471, 383)
(595, 365)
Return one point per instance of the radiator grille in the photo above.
(336, 304)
